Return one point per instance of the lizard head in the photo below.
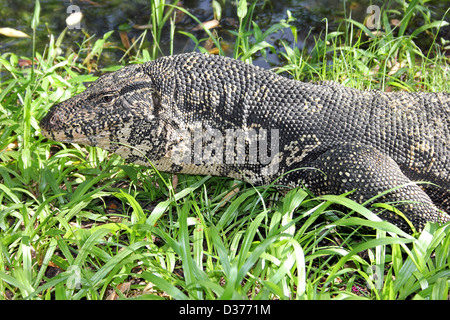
(115, 109)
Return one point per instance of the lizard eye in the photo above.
(107, 98)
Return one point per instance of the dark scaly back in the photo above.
(412, 128)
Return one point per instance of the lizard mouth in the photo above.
(54, 128)
(68, 137)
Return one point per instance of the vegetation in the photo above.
(79, 223)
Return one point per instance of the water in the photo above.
(102, 16)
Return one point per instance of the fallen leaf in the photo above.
(24, 63)
(142, 27)
(229, 195)
(122, 287)
(211, 24)
(395, 22)
(214, 50)
(13, 33)
(12, 146)
(397, 66)
(174, 181)
(125, 40)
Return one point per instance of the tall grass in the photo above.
(384, 59)
(77, 222)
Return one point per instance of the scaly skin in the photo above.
(186, 114)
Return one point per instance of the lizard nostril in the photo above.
(51, 121)
(54, 119)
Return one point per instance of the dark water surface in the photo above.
(101, 16)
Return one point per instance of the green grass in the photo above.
(79, 223)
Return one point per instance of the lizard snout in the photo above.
(52, 122)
